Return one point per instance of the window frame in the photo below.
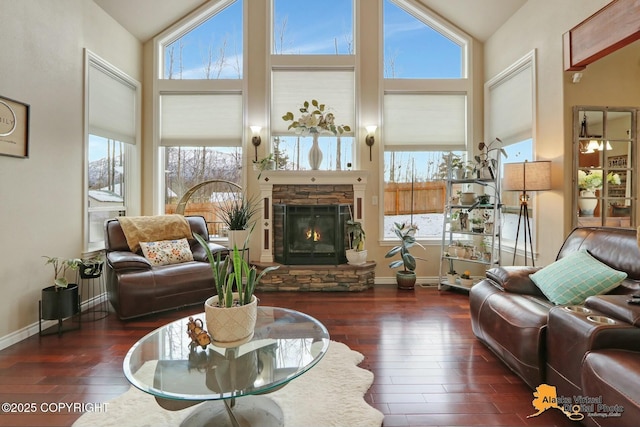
(132, 169)
(463, 85)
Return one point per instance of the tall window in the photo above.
(312, 59)
(424, 113)
(200, 101)
(112, 176)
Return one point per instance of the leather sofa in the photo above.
(582, 350)
(137, 288)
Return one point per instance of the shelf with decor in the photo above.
(471, 234)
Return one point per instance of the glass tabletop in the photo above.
(286, 343)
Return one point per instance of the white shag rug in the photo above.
(329, 394)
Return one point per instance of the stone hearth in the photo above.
(343, 277)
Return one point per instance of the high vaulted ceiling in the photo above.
(146, 18)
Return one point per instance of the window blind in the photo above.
(511, 106)
(211, 119)
(334, 88)
(418, 121)
(112, 105)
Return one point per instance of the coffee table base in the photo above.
(247, 411)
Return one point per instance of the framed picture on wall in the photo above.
(14, 128)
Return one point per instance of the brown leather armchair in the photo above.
(510, 314)
(137, 288)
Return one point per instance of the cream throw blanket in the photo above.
(153, 229)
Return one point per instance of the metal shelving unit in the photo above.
(479, 247)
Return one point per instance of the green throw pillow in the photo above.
(572, 279)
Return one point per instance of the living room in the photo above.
(44, 66)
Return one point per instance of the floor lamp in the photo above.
(526, 176)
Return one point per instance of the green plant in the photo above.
(233, 271)
(60, 268)
(406, 234)
(267, 163)
(477, 220)
(466, 275)
(451, 269)
(484, 160)
(238, 211)
(356, 235)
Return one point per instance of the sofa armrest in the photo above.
(121, 260)
(199, 253)
(616, 306)
(515, 279)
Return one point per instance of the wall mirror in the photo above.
(604, 166)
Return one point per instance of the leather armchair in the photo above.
(136, 288)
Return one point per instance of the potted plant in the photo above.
(91, 268)
(266, 163)
(452, 275)
(405, 278)
(231, 314)
(60, 300)
(356, 254)
(478, 225)
(485, 164)
(465, 279)
(237, 214)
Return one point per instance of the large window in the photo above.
(425, 113)
(200, 105)
(112, 173)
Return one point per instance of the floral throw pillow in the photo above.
(167, 252)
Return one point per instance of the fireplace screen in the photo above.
(312, 234)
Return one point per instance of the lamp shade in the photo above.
(527, 176)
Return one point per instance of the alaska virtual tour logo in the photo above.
(575, 408)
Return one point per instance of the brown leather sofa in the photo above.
(137, 288)
(568, 347)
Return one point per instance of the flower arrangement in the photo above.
(592, 180)
(314, 118)
(466, 275)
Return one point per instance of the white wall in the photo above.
(41, 210)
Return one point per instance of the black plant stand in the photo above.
(73, 323)
(92, 279)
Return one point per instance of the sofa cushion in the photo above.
(573, 278)
(167, 252)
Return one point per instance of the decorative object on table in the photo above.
(61, 300)
(315, 119)
(195, 331)
(478, 225)
(14, 128)
(526, 176)
(465, 279)
(486, 165)
(356, 254)
(588, 183)
(231, 316)
(405, 278)
(237, 213)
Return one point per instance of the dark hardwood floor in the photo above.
(429, 368)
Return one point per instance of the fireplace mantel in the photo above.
(357, 179)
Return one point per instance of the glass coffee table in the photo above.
(165, 364)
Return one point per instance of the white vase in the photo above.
(315, 154)
(356, 257)
(587, 206)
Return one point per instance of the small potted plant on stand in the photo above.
(61, 300)
(452, 275)
(356, 254)
(466, 280)
(231, 316)
(405, 278)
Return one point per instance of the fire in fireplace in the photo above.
(310, 234)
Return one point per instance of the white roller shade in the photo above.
(201, 119)
(425, 121)
(335, 89)
(112, 106)
(511, 107)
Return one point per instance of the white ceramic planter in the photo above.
(356, 257)
(233, 325)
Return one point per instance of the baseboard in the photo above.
(33, 329)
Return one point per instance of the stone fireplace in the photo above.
(306, 194)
